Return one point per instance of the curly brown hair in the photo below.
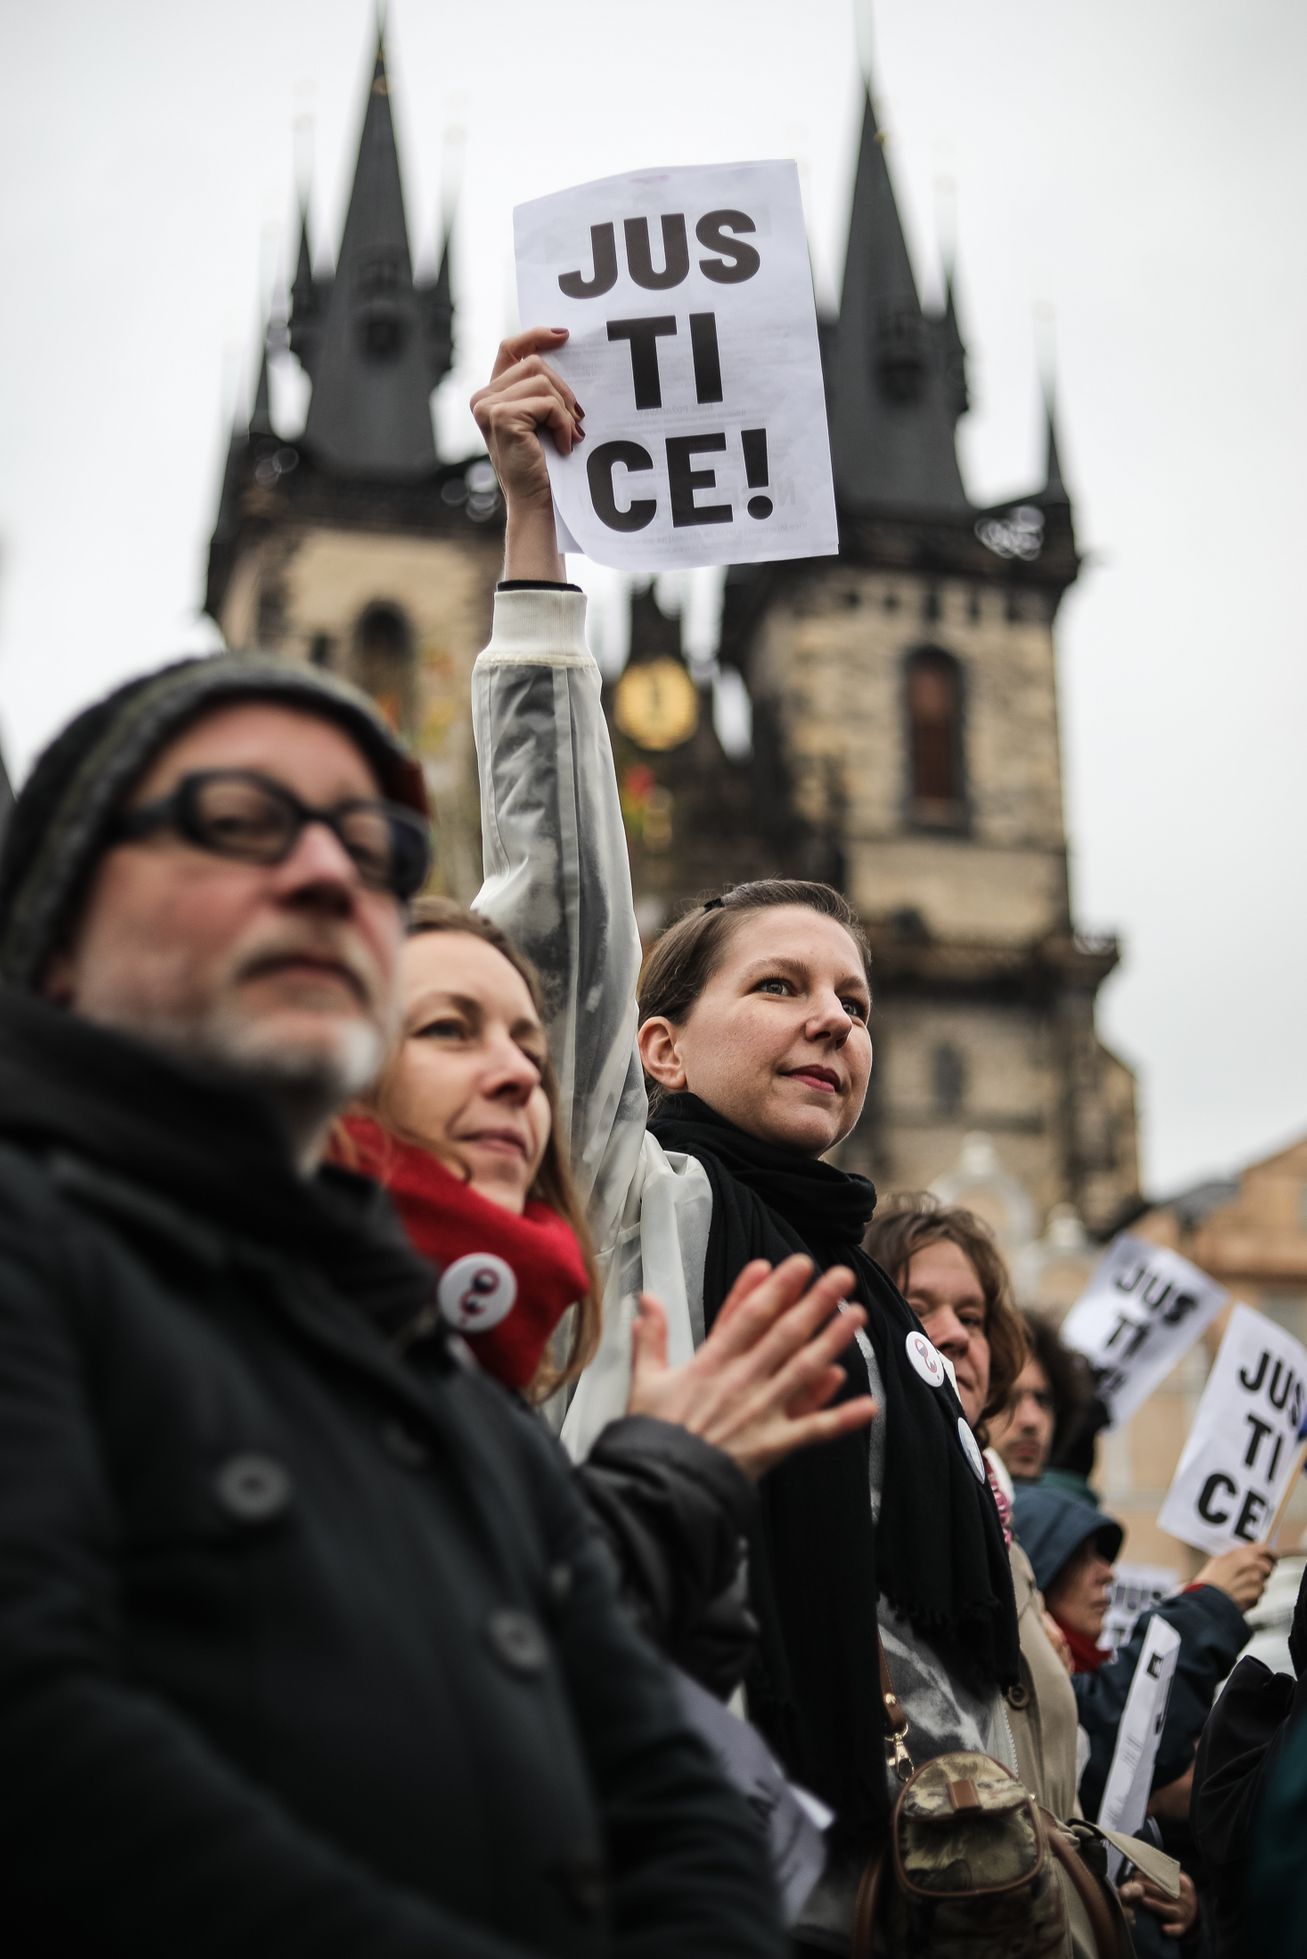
(554, 1184)
(904, 1226)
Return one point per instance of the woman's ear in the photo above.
(660, 1053)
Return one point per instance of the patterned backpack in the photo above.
(974, 1869)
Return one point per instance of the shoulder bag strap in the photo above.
(867, 1905)
(1107, 1931)
(896, 1746)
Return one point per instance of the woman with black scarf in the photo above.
(753, 1031)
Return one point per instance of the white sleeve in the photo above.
(557, 877)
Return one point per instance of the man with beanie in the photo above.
(306, 1648)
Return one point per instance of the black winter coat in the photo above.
(305, 1651)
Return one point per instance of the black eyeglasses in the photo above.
(239, 813)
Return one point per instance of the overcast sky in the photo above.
(1135, 167)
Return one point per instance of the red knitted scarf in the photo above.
(505, 1281)
(1087, 1654)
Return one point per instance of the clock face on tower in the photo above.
(657, 704)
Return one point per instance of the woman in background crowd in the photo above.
(952, 1274)
(956, 1280)
(753, 1034)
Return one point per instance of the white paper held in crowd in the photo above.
(1130, 1776)
(794, 1819)
(1243, 1445)
(1143, 1308)
(687, 296)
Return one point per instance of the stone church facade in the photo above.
(905, 737)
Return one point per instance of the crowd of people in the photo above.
(431, 1338)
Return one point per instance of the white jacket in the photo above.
(558, 880)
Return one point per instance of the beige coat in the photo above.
(1042, 1705)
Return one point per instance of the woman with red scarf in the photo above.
(462, 1129)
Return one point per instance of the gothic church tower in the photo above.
(354, 545)
(910, 690)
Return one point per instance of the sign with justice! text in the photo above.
(692, 347)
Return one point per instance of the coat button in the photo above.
(559, 1583)
(583, 1886)
(1018, 1695)
(252, 1489)
(517, 1642)
(399, 1441)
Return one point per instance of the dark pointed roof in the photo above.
(954, 351)
(891, 410)
(436, 299)
(308, 295)
(655, 634)
(1055, 490)
(6, 797)
(363, 336)
(261, 412)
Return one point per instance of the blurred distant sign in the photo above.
(1243, 1446)
(1144, 1306)
(693, 349)
(1136, 1588)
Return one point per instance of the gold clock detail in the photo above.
(657, 704)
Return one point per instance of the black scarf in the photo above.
(937, 1553)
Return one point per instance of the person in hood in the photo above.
(308, 1649)
(1073, 1548)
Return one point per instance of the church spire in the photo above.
(261, 412)
(891, 401)
(372, 365)
(436, 298)
(954, 350)
(1055, 490)
(306, 298)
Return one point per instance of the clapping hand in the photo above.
(760, 1385)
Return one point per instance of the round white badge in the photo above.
(476, 1292)
(971, 1448)
(925, 1360)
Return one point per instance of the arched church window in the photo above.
(383, 662)
(937, 793)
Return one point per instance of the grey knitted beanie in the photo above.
(56, 827)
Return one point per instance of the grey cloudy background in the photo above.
(1136, 167)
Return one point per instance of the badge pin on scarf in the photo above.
(476, 1292)
(925, 1359)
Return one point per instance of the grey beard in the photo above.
(308, 1085)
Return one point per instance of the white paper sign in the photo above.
(1244, 1442)
(1136, 1588)
(687, 294)
(1144, 1307)
(1130, 1777)
(793, 1817)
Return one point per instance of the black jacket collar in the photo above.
(125, 1115)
